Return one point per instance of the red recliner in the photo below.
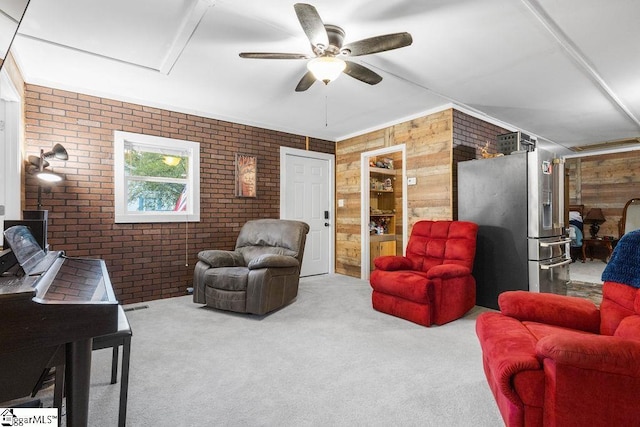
(432, 284)
(553, 360)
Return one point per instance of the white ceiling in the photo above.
(565, 71)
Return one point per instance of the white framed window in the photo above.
(156, 179)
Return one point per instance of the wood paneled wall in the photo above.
(428, 148)
(434, 145)
(348, 188)
(605, 181)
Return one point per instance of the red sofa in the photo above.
(554, 360)
(432, 284)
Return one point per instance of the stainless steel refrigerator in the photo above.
(518, 202)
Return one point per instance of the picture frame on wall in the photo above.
(246, 175)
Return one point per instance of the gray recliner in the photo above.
(260, 275)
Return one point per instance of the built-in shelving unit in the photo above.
(382, 214)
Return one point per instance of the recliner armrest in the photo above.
(508, 348)
(447, 271)
(392, 263)
(218, 258)
(629, 328)
(592, 352)
(272, 261)
(569, 312)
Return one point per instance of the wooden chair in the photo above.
(630, 217)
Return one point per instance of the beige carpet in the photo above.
(588, 272)
(328, 359)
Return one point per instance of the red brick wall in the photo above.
(146, 261)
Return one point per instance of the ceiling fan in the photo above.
(330, 55)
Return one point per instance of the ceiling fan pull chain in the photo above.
(326, 111)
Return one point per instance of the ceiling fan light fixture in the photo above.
(327, 45)
(326, 68)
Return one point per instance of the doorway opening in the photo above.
(602, 179)
(384, 213)
(10, 150)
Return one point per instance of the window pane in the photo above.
(149, 163)
(156, 196)
(156, 179)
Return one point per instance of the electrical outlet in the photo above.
(412, 181)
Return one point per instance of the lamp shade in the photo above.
(37, 166)
(48, 176)
(595, 215)
(58, 151)
(326, 68)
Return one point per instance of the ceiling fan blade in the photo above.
(305, 82)
(312, 24)
(274, 55)
(362, 73)
(378, 44)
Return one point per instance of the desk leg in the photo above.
(584, 255)
(78, 381)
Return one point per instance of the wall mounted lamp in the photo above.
(39, 165)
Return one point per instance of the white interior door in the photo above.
(306, 194)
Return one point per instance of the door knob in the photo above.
(326, 224)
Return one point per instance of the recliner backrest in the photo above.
(272, 236)
(442, 242)
(618, 301)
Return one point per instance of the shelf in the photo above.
(382, 237)
(382, 216)
(382, 171)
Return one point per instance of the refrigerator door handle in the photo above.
(558, 264)
(556, 243)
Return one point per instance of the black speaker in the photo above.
(7, 260)
(40, 214)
